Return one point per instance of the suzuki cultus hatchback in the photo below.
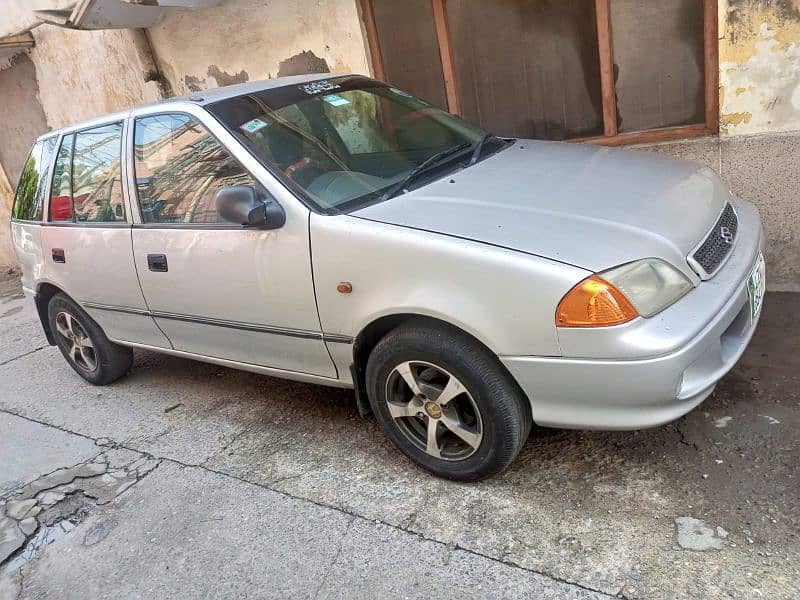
(337, 230)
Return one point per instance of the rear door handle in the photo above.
(59, 256)
(157, 263)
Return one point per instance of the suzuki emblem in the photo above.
(726, 234)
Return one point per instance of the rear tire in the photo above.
(446, 401)
(87, 349)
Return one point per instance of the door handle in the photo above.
(157, 263)
(59, 256)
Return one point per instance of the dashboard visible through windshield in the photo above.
(345, 142)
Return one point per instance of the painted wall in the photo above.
(21, 116)
(21, 121)
(759, 54)
(7, 258)
(85, 74)
(247, 40)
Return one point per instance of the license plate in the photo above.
(755, 286)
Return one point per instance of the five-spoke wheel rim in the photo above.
(434, 410)
(80, 348)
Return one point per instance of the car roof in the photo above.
(203, 98)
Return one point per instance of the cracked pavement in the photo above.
(253, 486)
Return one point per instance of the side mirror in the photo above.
(241, 205)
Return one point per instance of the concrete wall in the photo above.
(763, 169)
(21, 121)
(759, 54)
(21, 116)
(84, 74)
(247, 40)
(7, 258)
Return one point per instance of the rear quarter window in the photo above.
(32, 186)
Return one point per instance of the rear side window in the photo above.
(180, 167)
(32, 186)
(61, 191)
(96, 178)
(87, 183)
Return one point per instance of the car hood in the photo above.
(589, 206)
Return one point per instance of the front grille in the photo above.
(719, 242)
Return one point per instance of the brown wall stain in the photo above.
(303, 63)
(194, 84)
(735, 118)
(223, 78)
(759, 53)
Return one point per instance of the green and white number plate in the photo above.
(755, 286)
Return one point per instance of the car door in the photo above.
(216, 289)
(86, 240)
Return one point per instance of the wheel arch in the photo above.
(374, 331)
(44, 293)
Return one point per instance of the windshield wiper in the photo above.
(476, 153)
(424, 166)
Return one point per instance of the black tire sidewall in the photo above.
(505, 424)
(112, 360)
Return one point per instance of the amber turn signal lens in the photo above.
(594, 302)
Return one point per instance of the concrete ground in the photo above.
(187, 480)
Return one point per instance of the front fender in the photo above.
(505, 299)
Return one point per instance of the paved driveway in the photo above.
(203, 481)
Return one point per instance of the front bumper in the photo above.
(691, 346)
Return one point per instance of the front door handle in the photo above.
(157, 263)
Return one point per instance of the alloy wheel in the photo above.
(434, 410)
(80, 347)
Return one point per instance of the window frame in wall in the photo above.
(611, 133)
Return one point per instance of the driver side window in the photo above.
(179, 168)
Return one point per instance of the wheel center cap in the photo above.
(434, 410)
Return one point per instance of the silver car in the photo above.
(337, 230)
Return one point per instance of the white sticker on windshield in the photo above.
(336, 100)
(315, 87)
(253, 126)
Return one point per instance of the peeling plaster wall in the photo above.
(247, 40)
(21, 121)
(759, 54)
(7, 257)
(85, 74)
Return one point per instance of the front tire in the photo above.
(87, 349)
(446, 402)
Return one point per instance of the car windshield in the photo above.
(345, 142)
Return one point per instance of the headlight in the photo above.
(650, 284)
(641, 288)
